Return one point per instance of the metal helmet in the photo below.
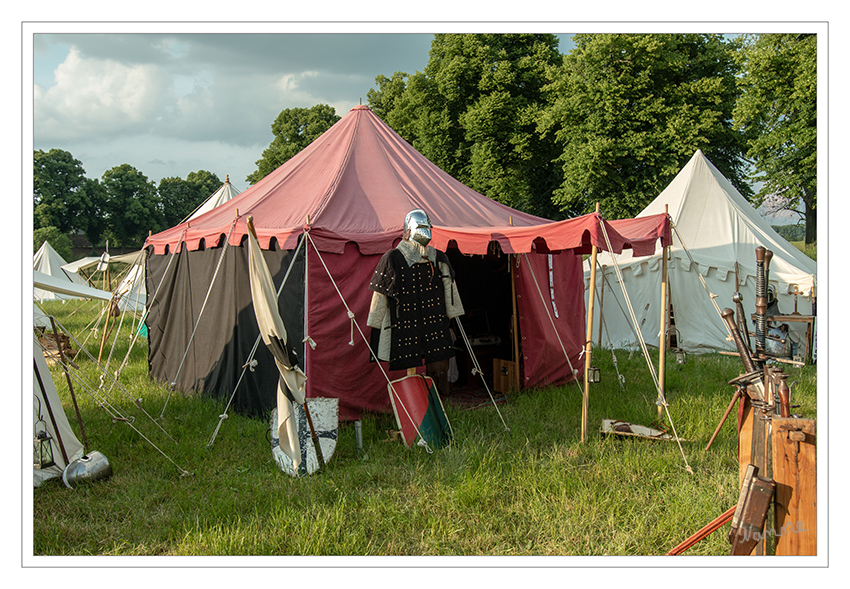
(418, 225)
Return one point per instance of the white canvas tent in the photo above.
(48, 262)
(719, 228)
(225, 193)
(49, 416)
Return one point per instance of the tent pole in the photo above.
(601, 310)
(588, 343)
(320, 459)
(512, 259)
(70, 386)
(662, 334)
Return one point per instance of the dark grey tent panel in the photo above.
(227, 329)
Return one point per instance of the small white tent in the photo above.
(225, 193)
(719, 228)
(47, 261)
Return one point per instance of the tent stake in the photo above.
(588, 341)
(662, 334)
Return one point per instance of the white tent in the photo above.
(49, 416)
(719, 228)
(48, 262)
(217, 198)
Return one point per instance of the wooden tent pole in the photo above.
(662, 336)
(70, 386)
(315, 437)
(588, 342)
(601, 309)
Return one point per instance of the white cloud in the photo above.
(98, 96)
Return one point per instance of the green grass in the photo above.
(533, 490)
(810, 250)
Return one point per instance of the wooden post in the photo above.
(70, 386)
(795, 474)
(601, 308)
(588, 345)
(662, 334)
(512, 259)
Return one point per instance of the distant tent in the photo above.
(225, 193)
(47, 261)
(719, 228)
(335, 208)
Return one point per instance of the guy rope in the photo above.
(652, 371)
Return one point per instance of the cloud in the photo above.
(98, 96)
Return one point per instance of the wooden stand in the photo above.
(795, 475)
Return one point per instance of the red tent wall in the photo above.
(543, 360)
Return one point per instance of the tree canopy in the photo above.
(63, 197)
(628, 111)
(473, 112)
(777, 111)
(180, 197)
(293, 129)
(132, 206)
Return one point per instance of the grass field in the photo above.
(533, 490)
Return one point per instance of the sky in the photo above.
(170, 104)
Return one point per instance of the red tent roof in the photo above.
(356, 183)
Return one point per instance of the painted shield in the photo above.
(325, 414)
(419, 412)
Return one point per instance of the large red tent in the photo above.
(350, 190)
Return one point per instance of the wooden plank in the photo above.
(745, 439)
(795, 474)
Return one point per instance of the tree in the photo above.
(57, 240)
(180, 197)
(63, 197)
(629, 111)
(777, 111)
(294, 129)
(473, 112)
(207, 182)
(133, 207)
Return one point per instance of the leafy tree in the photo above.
(180, 197)
(57, 240)
(777, 111)
(294, 129)
(629, 111)
(207, 182)
(64, 197)
(132, 207)
(791, 232)
(473, 112)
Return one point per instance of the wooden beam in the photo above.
(795, 474)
